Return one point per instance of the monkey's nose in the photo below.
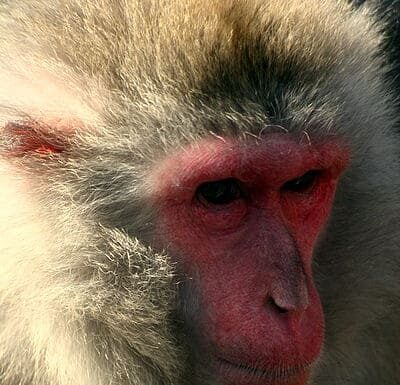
(293, 298)
(271, 304)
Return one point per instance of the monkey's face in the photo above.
(241, 218)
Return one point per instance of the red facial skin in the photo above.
(251, 258)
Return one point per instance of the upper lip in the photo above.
(278, 372)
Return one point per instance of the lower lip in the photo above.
(233, 374)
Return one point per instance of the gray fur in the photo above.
(83, 298)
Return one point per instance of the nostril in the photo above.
(273, 305)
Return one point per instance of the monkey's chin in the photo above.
(240, 374)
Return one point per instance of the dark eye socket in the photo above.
(220, 192)
(303, 183)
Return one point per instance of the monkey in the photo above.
(197, 192)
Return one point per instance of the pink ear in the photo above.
(33, 136)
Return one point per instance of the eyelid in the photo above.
(290, 185)
(231, 188)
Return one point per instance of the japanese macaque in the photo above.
(197, 193)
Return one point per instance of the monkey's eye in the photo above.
(220, 192)
(302, 184)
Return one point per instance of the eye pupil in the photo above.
(303, 183)
(219, 192)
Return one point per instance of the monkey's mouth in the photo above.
(272, 374)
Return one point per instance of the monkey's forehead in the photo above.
(219, 66)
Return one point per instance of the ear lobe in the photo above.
(34, 137)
